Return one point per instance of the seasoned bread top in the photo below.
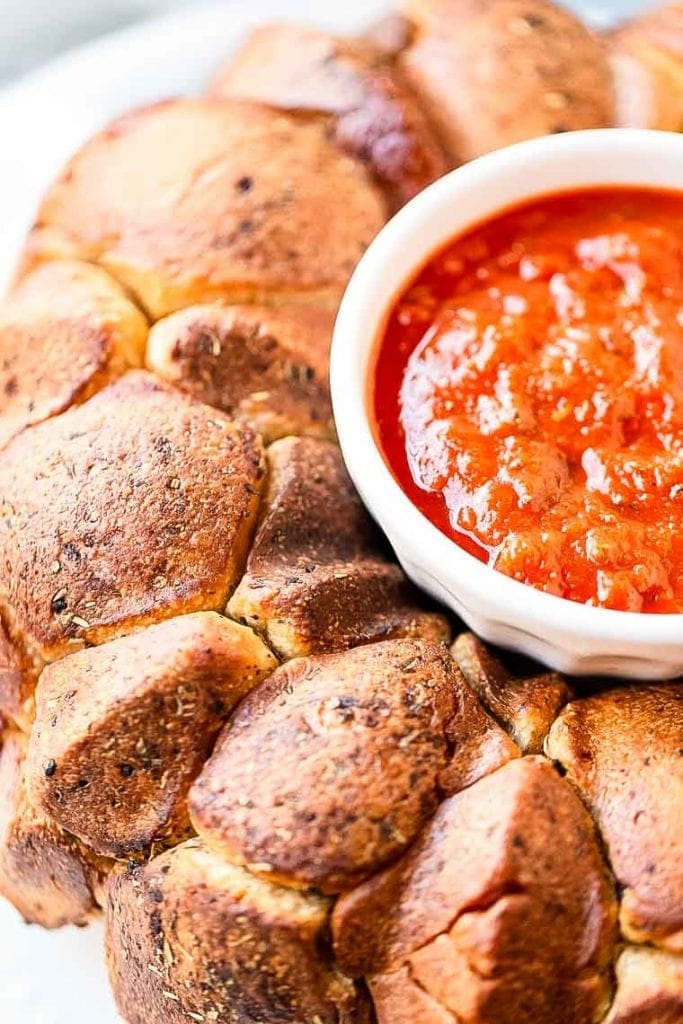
(136, 505)
(193, 200)
(490, 74)
(368, 108)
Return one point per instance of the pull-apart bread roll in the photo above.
(239, 219)
(351, 88)
(329, 769)
(50, 877)
(636, 795)
(66, 331)
(126, 726)
(225, 714)
(491, 73)
(194, 938)
(502, 911)
(520, 696)
(647, 61)
(316, 581)
(135, 506)
(190, 201)
(265, 366)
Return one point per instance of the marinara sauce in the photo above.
(528, 395)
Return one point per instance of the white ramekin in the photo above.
(570, 637)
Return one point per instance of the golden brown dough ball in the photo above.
(647, 62)
(492, 73)
(189, 201)
(66, 331)
(329, 769)
(522, 694)
(317, 582)
(193, 938)
(265, 366)
(123, 729)
(622, 749)
(502, 911)
(135, 506)
(352, 84)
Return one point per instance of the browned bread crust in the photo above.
(191, 937)
(18, 674)
(502, 911)
(316, 582)
(522, 695)
(329, 770)
(134, 506)
(49, 876)
(370, 110)
(623, 750)
(489, 74)
(235, 202)
(646, 55)
(265, 367)
(66, 331)
(122, 730)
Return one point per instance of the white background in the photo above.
(59, 978)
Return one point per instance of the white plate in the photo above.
(48, 978)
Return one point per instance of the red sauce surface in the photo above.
(528, 395)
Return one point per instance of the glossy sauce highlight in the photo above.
(528, 395)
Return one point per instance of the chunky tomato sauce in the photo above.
(528, 395)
